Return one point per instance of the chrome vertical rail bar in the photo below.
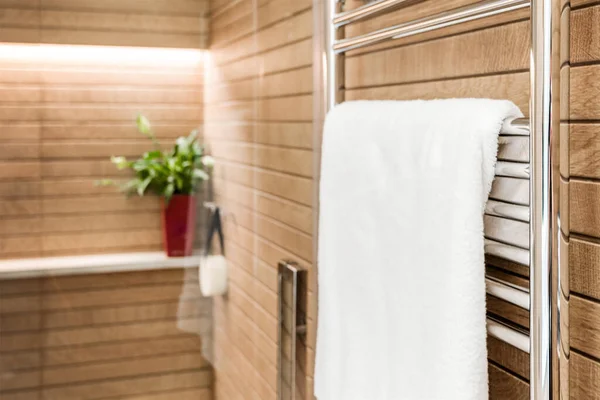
(541, 200)
(367, 10)
(479, 10)
(332, 60)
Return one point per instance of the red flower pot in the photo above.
(179, 225)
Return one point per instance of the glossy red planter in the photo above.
(179, 225)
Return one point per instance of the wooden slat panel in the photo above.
(127, 313)
(446, 58)
(289, 30)
(584, 325)
(146, 23)
(76, 37)
(585, 35)
(584, 258)
(115, 280)
(584, 104)
(187, 394)
(581, 3)
(585, 378)
(508, 356)
(106, 335)
(504, 386)
(231, 24)
(122, 369)
(514, 87)
(584, 150)
(111, 296)
(584, 209)
(138, 331)
(133, 386)
(105, 130)
(508, 311)
(160, 7)
(64, 149)
(115, 21)
(116, 350)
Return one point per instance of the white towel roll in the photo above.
(213, 275)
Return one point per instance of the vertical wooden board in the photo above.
(584, 150)
(584, 103)
(584, 325)
(585, 35)
(508, 356)
(584, 266)
(584, 378)
(504, 386)
(584, 209)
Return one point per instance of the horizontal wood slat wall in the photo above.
(580, 131)
(259, 126)
(60, 121)
(146, 23)
(139, 335)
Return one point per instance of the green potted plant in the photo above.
(174, 176)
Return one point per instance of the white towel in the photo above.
(401, 263)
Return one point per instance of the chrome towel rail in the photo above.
(522, 191)
(507, 291)
(517, 338)
(506, 251)
(368, 10)
(461, 15)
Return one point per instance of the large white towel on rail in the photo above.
(401, 263)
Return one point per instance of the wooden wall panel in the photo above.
(259, 125)
(583, 224)
(160, 23)
(122, 335)
(259, 115)
(60, 122)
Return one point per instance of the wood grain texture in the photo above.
(139, 334)
(57, 136)
(584, 258)
(584, 102)
(445, 58)
(584, 209)
(510, 86)
(259, 128)
(585, 35)
(506, 386)
(582, 3)
(584, 150)
(583, 108)
(259, 90)
(585, 378)
(508, 311)
(509, 357)
(179, 24)
(584, 325)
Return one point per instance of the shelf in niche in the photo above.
(92, 264)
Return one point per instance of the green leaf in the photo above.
(105, 182)
(168, 193)
(120, 162)
(208, 161)
(152, 155)
(165, 172)
(199, 174)
(143, 185)
(143, 125)
(130, 186)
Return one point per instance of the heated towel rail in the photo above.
(519, 215)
